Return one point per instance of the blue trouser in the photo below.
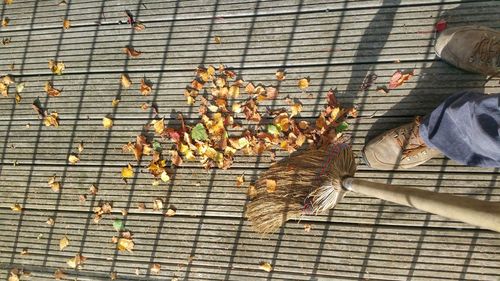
(466, 128)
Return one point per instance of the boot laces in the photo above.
(487, 49)
(410, 141)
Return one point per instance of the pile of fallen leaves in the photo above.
(222, 100)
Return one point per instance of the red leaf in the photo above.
(399, 78)
(441, 25)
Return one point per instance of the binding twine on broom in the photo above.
(309, 182)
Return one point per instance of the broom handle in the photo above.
(472, 211)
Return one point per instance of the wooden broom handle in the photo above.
(483, 214)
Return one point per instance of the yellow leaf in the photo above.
(126, 82)
(18, 98)
(170, 212)
(265, 266)
(164, 176)
(234, 91)
(127, 172)
(107, 122)
(303, 83)
(16, 207)
(55, 186)
(7, 80)
(252, 191)
(73, 159)
(115, 102)
(5, 22)
(125, 244)
(296, 109)
(4, 89)
(56, 67)
(66, 24)
(63, 243)
(236, 107)
(51, 120)
(280, 75)
(77, 261)
(240, 180)
(270, 186)
(8, 2)
(217, 39)
(159, 126)
(335, 113)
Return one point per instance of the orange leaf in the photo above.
(66, 24)
(50, 90)
(145, 88)
(250, 88)
(270, 186)
(399, 78)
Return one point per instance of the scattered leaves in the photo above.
(107, 122)
(265, 266)
(63, 243)
(56, 67)
(131, 52)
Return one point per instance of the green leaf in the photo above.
(342, 127)
(273, 130)
(157, 146)
(118, 225)
(199, 132)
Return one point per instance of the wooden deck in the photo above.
(334, 42)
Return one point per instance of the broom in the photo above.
(314, 181)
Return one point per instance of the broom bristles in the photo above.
(307, 183)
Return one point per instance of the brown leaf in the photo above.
(24, 252)
(18, 98)
(240, 180)
(382, 90)
(131, 52)
(145, 88)
(126, 82)
(307, 227)
(271, 92)
(138, 26)
(113, 275)
(141, 206)
(50, 221)
(7, 80)
(144, 106)
(59, 274)
(250, 88)
(51, 91)
(158, 204)
(4, 89)
(66, 24)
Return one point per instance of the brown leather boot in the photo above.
(401, 147)
(472, 48)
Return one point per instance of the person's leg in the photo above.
(466, 128)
